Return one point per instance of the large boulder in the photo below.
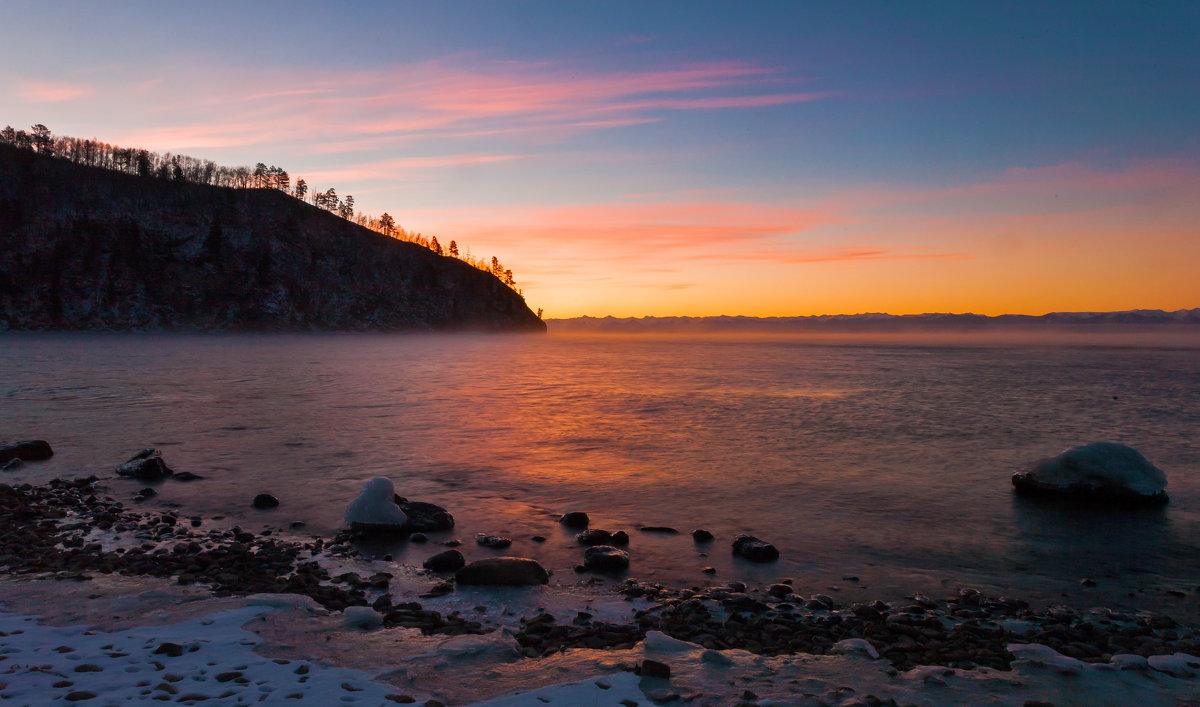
(375, 508)
(146, 465)
(605, 558)
(426, 517)
(503, 571)
(34, 450)
(1100, 473)
(753, 549)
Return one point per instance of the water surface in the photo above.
(886, 461)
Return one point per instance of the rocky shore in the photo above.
(70, 530)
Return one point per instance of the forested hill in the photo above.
(84, 248)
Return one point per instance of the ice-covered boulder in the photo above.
(1101, 473)
(375, 508)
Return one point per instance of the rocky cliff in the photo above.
(83, 248)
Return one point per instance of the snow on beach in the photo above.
(137, 642)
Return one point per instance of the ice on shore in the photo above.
(209, 658)
(376, 505)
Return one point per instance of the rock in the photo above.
(171, 650)
(363, 617)
(605, 558)
(145, 493)
(418, 538)
(574, 519)
(426, 517)
(264, 500)
(594, 537)
(187, 476)
(34, 450)
(709, 570)
(12, 465)
(448, 561)
(702, 536)
(1100, 474)
(375, 508)
(753, 549)
(655, 669)
(146, 465)
(538, 538)
(495, 542)
(503, 571)
(620, 538)
(659, 529)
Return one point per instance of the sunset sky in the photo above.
(686, 158)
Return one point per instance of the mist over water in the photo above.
(887, 460)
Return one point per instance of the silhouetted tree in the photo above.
(386, 222)
(435, 246)
(40, 138)
(346, 210)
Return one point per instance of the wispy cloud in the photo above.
(402, 166)
(51, 91)
(459, 98)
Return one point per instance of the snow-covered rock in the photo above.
(1101, 472)
(363, 617)
(376, 507)
(855, 646)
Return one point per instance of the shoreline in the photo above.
(70, 532)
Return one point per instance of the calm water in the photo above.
(886, 461)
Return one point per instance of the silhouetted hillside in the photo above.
(87, 248)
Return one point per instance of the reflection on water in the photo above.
(882, 461)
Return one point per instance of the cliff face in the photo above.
(84, 248)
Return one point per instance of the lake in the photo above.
(888, 461)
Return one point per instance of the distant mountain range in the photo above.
(884, 323)
(84, 248)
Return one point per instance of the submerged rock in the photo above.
(375, 508)
(753, 549)
(448, 561)
(503, 571)
(493, 541)
(594, 536)
(701, 535)
(146, 465)
(1100, 473)
(426, 517)
(605, 558)
(34, 450)
(265, 500)
(574, 519)
(12, 464)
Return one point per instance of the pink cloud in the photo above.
(439, 99)
(384, 169)
(51, 91)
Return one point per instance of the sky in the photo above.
(686, 158)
